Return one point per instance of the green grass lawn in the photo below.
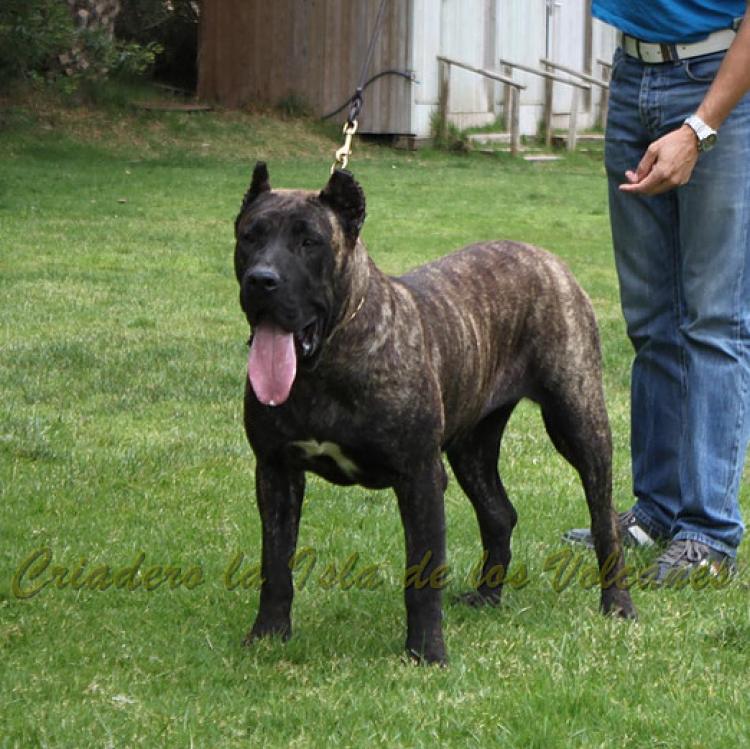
(122, 365)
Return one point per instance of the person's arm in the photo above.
(669, 161)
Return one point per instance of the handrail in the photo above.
(573, 71)
(481, 71)
(603, 84)
(545, 74)
(513, 95)
(550, 80)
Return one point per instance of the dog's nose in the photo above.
(264, 278)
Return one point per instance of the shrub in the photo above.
(173, 25)
(446, 136)
(33, 33)
(39, 39)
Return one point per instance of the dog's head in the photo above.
(291, 251)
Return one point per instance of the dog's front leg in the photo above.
(421, 503)
(279, 495)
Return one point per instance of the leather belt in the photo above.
(655, 52)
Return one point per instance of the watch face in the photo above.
(706, 135)
(707, 143)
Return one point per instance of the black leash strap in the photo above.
(357, 101)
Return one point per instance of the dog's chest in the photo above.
(312, 450)
(335, 434)
(340, 462)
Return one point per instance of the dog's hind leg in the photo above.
(474, 462)
(576, 421)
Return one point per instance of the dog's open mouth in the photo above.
(272, 362)
(308, 339)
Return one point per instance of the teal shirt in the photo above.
(669, 21)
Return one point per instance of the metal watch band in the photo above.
(706, 135)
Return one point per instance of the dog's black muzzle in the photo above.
(263, 293)
(266, 295)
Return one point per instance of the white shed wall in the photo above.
(479, 32)
(522, 38)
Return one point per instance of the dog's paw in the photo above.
(618, 603)
(476, 599)
(282, 630)
(427, 658)
(426, 647)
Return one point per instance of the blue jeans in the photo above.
(683, 262)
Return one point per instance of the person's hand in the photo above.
(668, 163)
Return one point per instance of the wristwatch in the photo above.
(706, 135)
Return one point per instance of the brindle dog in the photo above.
(367, 379)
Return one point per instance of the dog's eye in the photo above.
(308, 242)
(255, 232)
(253, 238)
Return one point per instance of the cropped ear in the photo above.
(347, 199)
(258, 185)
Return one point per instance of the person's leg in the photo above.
(683, 266)
(714, 222)
(645, 239)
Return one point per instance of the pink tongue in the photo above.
(272, 363)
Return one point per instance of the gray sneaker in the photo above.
(683, 559)
(632, 533)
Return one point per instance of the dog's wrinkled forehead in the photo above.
(296, 211)
(340, 205)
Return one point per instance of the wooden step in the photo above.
(487, 139)
(560, 140)
(171, 106)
